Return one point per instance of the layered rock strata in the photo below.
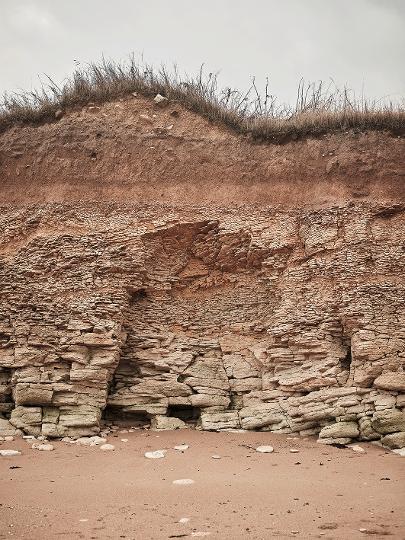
(252, 317)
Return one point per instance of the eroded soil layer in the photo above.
(133, 150)
(253, 317)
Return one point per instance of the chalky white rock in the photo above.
(107, 447)
(183, 482)
(265, 449)
(43, 447)
(156, 454)
(6, 453)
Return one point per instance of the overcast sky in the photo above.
(358, 42)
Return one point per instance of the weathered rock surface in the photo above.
(278, 326)
(340, 430)
(252, 316)
(167, 423)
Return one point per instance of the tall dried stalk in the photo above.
(319, 109)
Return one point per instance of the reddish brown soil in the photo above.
(133, 151)
(320, 492)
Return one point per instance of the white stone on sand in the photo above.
(9, 453)
(156, 454)
(106, 447)
(183, 482)
(265, 449)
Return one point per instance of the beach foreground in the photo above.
(316, 491)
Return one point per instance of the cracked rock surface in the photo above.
(267, 319)
(189, 276)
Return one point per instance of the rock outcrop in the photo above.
(287, 319)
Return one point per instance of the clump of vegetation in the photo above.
(319, 109)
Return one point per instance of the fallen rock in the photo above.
(340, 430)
(160, 422)
(388, 421)
(294, 450)
(216, 456)
(91, 441)
(160, 100)
(43, 447)
(107, 447)
(341, 441)
(265, 449)
(9, 453)
(394, 440)
(399, 451)
(356, 448)
(7, 429)
(183, 482)
(156, 454)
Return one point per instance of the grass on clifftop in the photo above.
(318, 109)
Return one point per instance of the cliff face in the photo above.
(180, 271)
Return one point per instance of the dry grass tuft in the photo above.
(318, 109)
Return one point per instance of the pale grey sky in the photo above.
(358, 42)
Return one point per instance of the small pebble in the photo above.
(181, 447)
(157, 454)
(106, 447)
(358, 449)
(216, 456)
(294, 450)
(265, 449)
(184, 520)
(9, 438)
(124, 440)
(183, 482)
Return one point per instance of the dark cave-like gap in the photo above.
(346, 362)
(187, 413)
(119, 416)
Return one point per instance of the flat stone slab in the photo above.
(9, 453)
(156, 454)
(265, 449)
(183, 482)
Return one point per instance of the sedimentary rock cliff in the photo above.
(152, 264)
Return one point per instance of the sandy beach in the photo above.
(317, 491)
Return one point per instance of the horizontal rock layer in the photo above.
(252, 318)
